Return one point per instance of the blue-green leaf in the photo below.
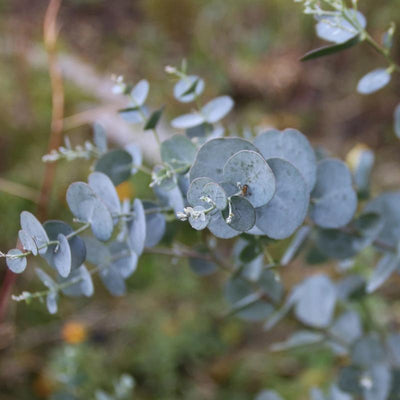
(31, 225)
(328, 50)
(186, 121)
(334, 200)
(116, 164)
(373, 81)
(62, 256)
(139, 92)
(288, 208)
(178, 151)
(217, 109)
(27, 242)
(290, 145)
(248, 169)
(76, 244)
(213, 155)
(137, 228)
(15, 263)
(337, 29)
(153, 120)
(188, 88)
(105, 190)
(243, 215)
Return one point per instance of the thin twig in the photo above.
(57, 95)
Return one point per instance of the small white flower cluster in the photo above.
(158, 176)
(314, 6)
(22, 297)
(68, 153)
(189, 212)
(119, 84)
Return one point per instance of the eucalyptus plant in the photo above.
(271, 187)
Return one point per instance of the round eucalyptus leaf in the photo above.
(14, 263)
(349, 379)
(347, 328)
(241, 296)
(62, 256)
(155, 225)
(101, 221)
(199, 222)
(373, 81)
(290, 145)
(186, 121)
(288, 208)
(116, 164)
(76, 244)
(137, 157)
(170, 198)
(139, 92)
(27, 242)
(81, 200)
(219, 228)
(97, 253)
(196, 190)
(202, 267)
(216, 193)
(338, 244)
(188, 88)
(105, 190)
(367, 351)
(83, 285)
(334, 200)
(342, 245)
(178, 151)
(387, 206)
(249, 169)
(380, 377)
(217, 109)
(213, 155)
(137, 228)
(113, 280)
(316, 300)
(31, 225)
(337, 29)
(123, 258)
(243, 215)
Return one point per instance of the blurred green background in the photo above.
(170, 332)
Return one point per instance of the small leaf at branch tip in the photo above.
(374, 81)
(15, 261)
(328, 50)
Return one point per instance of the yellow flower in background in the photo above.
(125, 190)
(354, 155)
(74, 332)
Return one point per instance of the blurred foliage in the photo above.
(169, 333)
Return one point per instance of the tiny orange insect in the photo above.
(245, 189)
